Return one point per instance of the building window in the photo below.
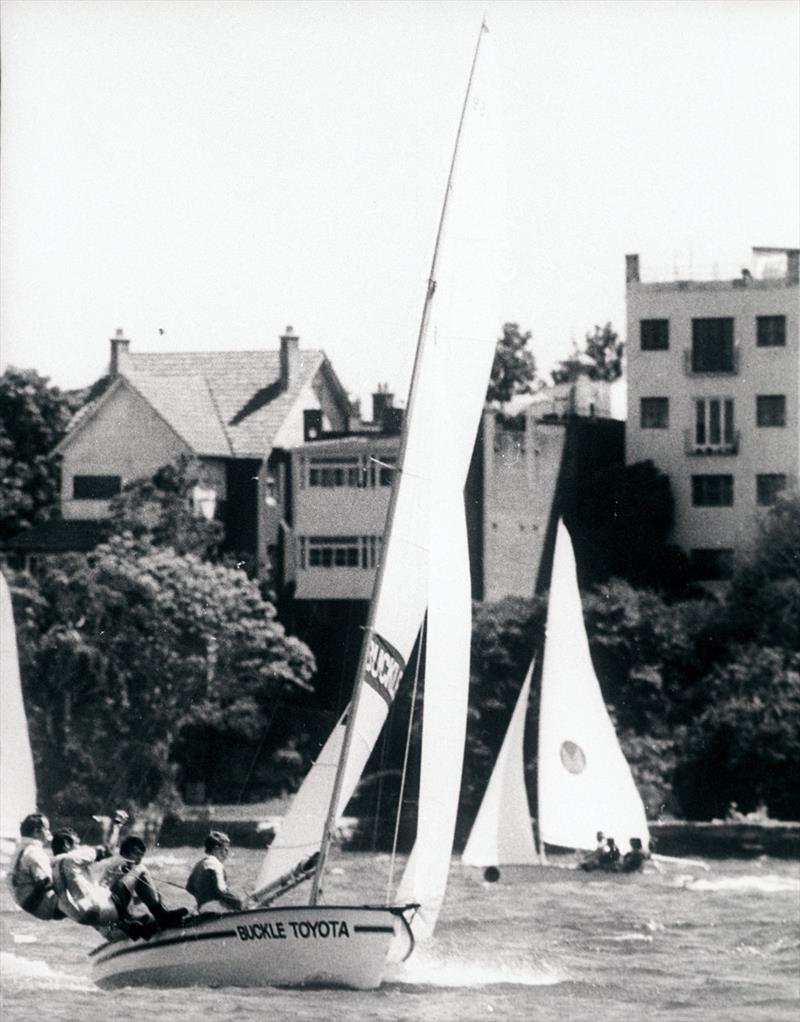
(712, 565)
(654, 334)
(768, 486)
(712, 491)
(95, 487)
(333, 551)
(714, 422)
(712, 346)
(770, 331)
(333, 472)
(770, 410)
(654, 413)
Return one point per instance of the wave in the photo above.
(428, 970)
(27, 973)
(769, 884)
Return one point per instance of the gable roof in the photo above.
(222, 403)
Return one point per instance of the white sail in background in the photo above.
(584, 781)
(17, 779)
(502, 834)
(471, 258)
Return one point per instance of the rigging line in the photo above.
(267, 728)
(404, 773)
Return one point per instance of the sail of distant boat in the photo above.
(584, 782)
(17, 778)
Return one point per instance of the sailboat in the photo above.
(423, 574)
(584, 782)
(17, 778)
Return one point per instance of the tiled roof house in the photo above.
(239, 412)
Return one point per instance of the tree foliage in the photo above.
(33, 418)
(123, 650)
(514, 367)
(160, 511)
(745, 745)
(601, 358)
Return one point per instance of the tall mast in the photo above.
(330, 821)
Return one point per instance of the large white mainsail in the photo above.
(471, 253)
(584, 781)
(17, 779)
(502, 834)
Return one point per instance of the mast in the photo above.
(330, 821)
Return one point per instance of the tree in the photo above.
(514, 367)
(124, 649)
(745, 746)
(763, 603)
(160, 511)
(601, 358)
(33, 418)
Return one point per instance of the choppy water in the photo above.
(542, 944)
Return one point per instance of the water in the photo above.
(544, 944)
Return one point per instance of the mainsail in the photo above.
(502, 832)
(585, 783)
(17, 780)
(468, 253)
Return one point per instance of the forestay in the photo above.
(584, 781)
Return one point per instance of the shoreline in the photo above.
(252, 827)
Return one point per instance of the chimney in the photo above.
(120, 351)
(631, 269)
(290, 357)
(382, 401)
(792, 265)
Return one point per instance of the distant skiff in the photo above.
(305, 945)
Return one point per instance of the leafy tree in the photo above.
(159, 511)
(601, 358)
(33, 418)
(763, 604)
(514, 367)
(124, 649)
(745, 746)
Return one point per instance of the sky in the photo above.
(203, 173)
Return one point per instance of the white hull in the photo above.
(301, 946)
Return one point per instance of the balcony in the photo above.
(727, 364)
(721, 449)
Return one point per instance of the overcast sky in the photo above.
(218, 170)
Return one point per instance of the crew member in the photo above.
(139, 907)
(633, 859)
(208, 883)
(31, 875)
(79, 896)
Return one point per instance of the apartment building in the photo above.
(713, 371)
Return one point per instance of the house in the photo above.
(713, 371)
(238, 412)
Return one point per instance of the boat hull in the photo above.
(293, 946)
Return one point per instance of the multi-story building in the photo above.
(713, 372)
